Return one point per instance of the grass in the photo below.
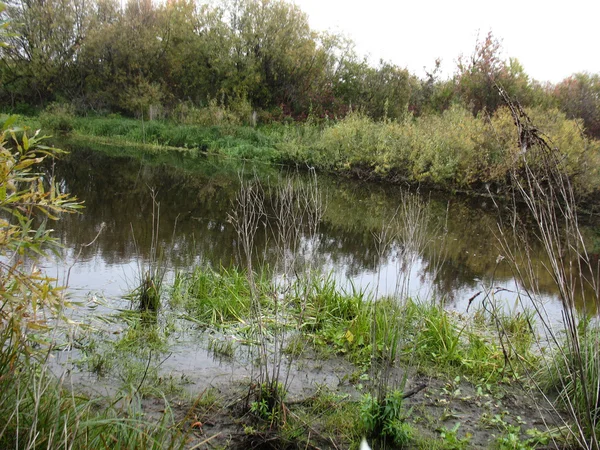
(234, 141)
(583, 365)
(213, 297)
(466, 345)
(41, 411)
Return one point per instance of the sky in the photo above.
(551, 39)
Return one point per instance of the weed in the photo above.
(384, 420)
(212, 297)
(269, 404)
(544, 183)
(451, 440)
(147, 295)
(221, 347)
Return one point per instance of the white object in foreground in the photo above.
(364, 445)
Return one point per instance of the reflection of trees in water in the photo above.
(196, 201)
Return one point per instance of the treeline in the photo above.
(157, 59)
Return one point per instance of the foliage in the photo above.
(28, 198)
(58, 117)
(212, 297)
(39, 412)
(578, 96)
(385, 419)
(479, 75)
(581, 366)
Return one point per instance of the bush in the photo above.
(58, 117)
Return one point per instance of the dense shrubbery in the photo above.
(58, 118)
(454, 150)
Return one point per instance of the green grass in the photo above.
(40, 412)
(574, 376)
(347, 322)
(466, 345)
(213, 297)
(234, 141)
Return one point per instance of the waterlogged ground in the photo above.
(204, 375)
(205, 369)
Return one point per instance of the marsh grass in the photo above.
(235, 141)
(147, 294)
(342, 321)
(569, 363)
(325, 419)
(42, 411)
(213, 297)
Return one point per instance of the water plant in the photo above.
(147, 294)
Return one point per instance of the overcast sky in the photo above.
(552, 39)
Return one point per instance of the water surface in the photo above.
(105, 246)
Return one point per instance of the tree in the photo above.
(40, 57)
(478, 77)
(431, 95)
(578, 96)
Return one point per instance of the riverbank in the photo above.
(185, 376)
(452, 152)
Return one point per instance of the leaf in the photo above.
(8, 122)
(349, 336)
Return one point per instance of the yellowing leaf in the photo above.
(349, 336)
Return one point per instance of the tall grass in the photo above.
(235, 141)
(214, 297)
(148, 292)
(571, 361)
(289, 214)
(41, 411)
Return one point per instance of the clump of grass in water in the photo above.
(464, 345)
(147, 295)
(216, 298)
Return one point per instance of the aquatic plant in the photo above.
(147, 294)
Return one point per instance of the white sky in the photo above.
(552, 39)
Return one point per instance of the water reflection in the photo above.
(195, 196)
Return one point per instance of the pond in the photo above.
(105, 246)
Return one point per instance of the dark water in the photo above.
(106, 244)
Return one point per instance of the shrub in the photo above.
(58, 117)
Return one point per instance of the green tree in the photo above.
(578, 96)
(40, 57)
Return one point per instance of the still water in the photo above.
(105, 246)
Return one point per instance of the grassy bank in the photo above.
(451, 151)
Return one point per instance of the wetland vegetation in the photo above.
(268, 302)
